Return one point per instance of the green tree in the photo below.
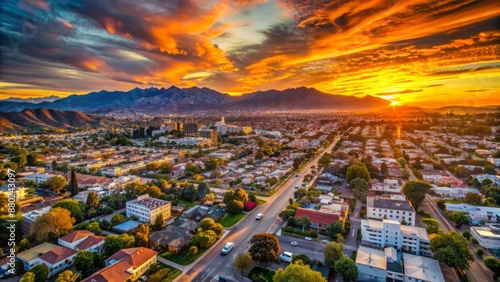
(193, 250)
(24, 245)
(210, 224)
(324, 161)
(493, 264)
(259, 155)
(335, 228)
(459, 218)
(402, 162)
(56, 223)
(304, 258)
(415, 191)
(357, 170)
(265, 248)
(92, 200)
(84, 262)
(73, 206)
(432, 225)
(67, 276)
(56, 183)
(242, 262)
(489, 169)
(234, 206)
(298, 272)
(94, 228)
(117, 219)
(189, 193)
(359, 188)
(452, 249)
(473, 199)
(347, 268)
(154, 191)
(303, 221)
(114, 243)
(204, 239)
(141, 235)
(28, 277)
(333, 252)
(202, 191)
(41, 272)
(159, 222)
(73, 184)
(238, 194)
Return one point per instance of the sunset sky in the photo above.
(418, 52)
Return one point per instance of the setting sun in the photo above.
(394, 103)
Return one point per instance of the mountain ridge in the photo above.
(181, 100)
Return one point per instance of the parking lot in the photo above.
(313, 249)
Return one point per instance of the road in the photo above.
(212, 264)
(351, 240)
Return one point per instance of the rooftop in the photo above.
(148, 202)
(35, 252)
(57, 255)
(422, 268)
(391, 204)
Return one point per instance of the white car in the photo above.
(259, 216)
(144, 278)
(308, 238)
(325, 241)
(294, 243)
(286, 256)
(227, 248)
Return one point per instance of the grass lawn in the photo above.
(174, 272)
(231, 219)
(268, 274)
(182, 258)
(261, 202)
(185, 203)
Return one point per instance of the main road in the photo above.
(213, 264)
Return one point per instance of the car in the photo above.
(259, 216)
(286, 256)
(296, 175)
(227, 248)
(308, 238)
(223, 278)
(297, 187)
(294, 243)
(325, 241)
(144, 278)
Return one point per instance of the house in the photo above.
(476, 214)
(197, 213)
(125, 265)
(82, 240)
(173, 240)
(319, 220)
(56, 258)
(39, 177)
(436, 176)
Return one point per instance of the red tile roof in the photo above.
(89, 242)
(119, 271)
(316, 216)
(57, 255)
(76, 235)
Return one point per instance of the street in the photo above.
(214, 264)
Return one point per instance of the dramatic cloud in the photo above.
(423, 52)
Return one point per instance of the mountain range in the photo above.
(189, 100)
(41, 120)
(32, 100)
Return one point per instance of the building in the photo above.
(395, 207)
(21, 192)
(174, 240)
(56, 258)
(82, 240)
(390, 233)
(391, 265)
(39, 177)
(224, 128)
(190, 128)
(319, 220)
(387, 186)
(146, 209)
(188, 141)
(488, 236)
(125, 265)
(30, 217)
(209, 134)
(447, 192)
(476, 214)
(436, 176)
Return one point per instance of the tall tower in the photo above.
(222, 121)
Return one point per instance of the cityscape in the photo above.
(266, 141)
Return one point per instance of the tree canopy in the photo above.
(452, 249)
(56, 223)
(265, 248)
(357, 170)
(298, 271)
(415, 191)
(333, 252)
(346, 267)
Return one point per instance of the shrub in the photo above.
(480, 252)
(474, 240)
(467, 235)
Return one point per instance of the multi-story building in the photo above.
(39, 177)
(190, 128)
(488, 237)
(209, 134)
(391, 233)
(224, 128)
(146, 209)
(391, 265)
(395, 207)
(30, 217)
(125, 265)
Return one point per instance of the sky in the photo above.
(425, 53)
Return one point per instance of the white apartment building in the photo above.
(390, 265)
(390, 233)
(388, 186)
(488, 237)
(39, 177)
(146, 209)
(395, 207)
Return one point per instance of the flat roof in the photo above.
(371, 257)
(35, 252)
(422, 268)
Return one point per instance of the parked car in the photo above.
(308, 238)
(223, 278)
(325, 241)
(286, 256)
(227, 248)
(297, 187)
(143, 278)
(259, 216)
(294, 243)
(296, 175)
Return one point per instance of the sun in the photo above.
(394, 103)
